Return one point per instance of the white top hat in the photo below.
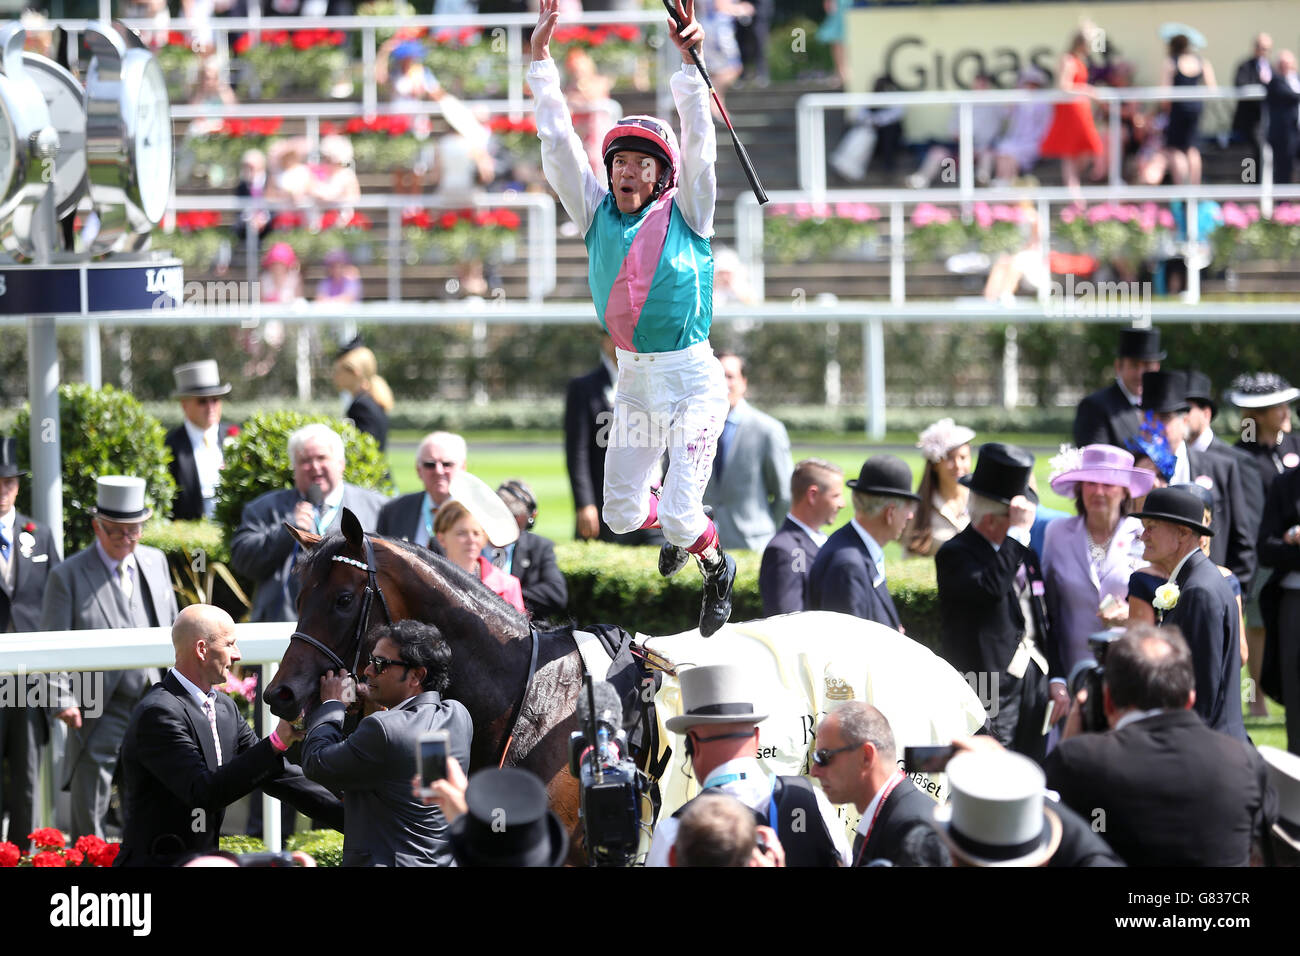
(120, 498)
(487, 508)
(715, 694)
(198, 379)
(995, 816)
(1284, 773)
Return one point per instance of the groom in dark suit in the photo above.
(817, 494)
(1200, 604)
(857, 763)
(188, 754)
(993, 618)
(849, 573)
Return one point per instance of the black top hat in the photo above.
(1199, 390)
(9, 459)
(1164, 392)
(507, 823)
(884, 475)
(1177, 506)
(1001, 473)
(1140, 344)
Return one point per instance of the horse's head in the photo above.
(336, 610)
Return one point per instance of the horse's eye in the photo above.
(343, 600)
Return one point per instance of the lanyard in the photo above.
(894, 781)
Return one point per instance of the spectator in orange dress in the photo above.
(1073, 134)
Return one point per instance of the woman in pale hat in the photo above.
(941, 512)
(357, 373)
(1088, 559)
(462, 537)
(1265, 403)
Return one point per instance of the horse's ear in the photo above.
(352, 530)
(307, 539)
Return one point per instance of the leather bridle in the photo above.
(372, 590)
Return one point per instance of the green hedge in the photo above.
(323, 846)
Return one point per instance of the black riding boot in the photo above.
(672, 559)
(718, 579)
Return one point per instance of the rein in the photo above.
(523, 695)
(363, 620)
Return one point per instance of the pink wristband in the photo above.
(277, 743)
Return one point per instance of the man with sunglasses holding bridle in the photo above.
(720, 724)
(386, 825)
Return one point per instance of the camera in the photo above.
(610, 784)
(1088, 675)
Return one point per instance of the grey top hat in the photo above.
(715, 694)
(120, 498)
(1177, 506)
(884, 475)
(995, 815)
(1284, 774)
(9, 459)
(198, 379)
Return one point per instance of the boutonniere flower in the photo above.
(231, 434)
(1166, 598)
(29, 527)
(26, 542)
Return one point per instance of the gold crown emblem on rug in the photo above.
(837, 689)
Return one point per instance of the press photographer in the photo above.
(1160, 786)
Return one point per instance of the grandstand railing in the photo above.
(539, 237)
(749, 218)
(811, 125)
(516, 56)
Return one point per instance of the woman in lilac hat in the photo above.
(1087, 559)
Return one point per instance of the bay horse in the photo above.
(521, 691)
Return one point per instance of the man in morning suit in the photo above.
(849, 573)
(1202, 604)
(531, 558)
(188, 754)
(116, 582)
(196, 442)
(263, 550)
(588, 415)
(440, 458)
(1247, 117)
(856, 762)
(816, 496)
(994, 626)
(27, 555)
(1110, 416)
(408, 673)
(749, 489)
(1232, 477)
(1282, 102)
(720, 724)
(1173, 791)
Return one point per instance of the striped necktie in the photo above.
(212, 722)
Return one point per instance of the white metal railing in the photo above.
(512, 27)
(540, 238)
(130, 647)
(811, 125)
(749, 217)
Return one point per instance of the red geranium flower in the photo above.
(232, 431)
(89, 844)
(244, 44)
(74, 857)
(48, 838)
(176, 38)
(287, 220)
(508, 219)
(29, 527)
(9, 855)
(448, 220)
(48, 859)
(105, 855)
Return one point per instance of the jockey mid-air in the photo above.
(650, 269)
